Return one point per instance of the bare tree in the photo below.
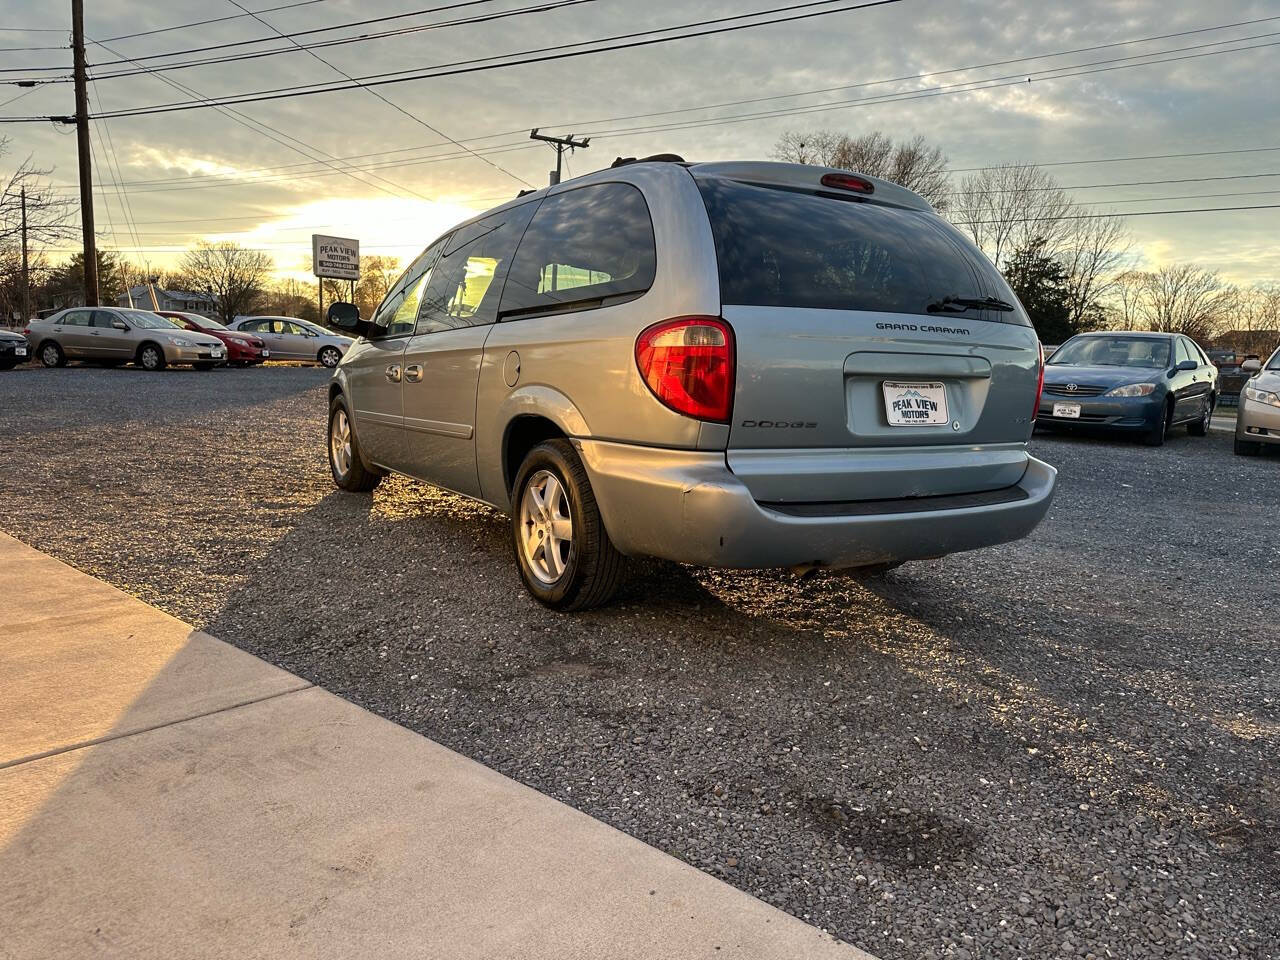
(1124, 307)
(915, 164)
(1091, 253)
(48, 221)
(1256, 326)
(1184, 298)
(232, 275)
(1007, 208)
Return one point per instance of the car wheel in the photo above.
(51, 355)
(1156, 436)
(1248, 448)
(151, 357)
(345, 461)
(330, 357)
(563, 551)
(1200, 428)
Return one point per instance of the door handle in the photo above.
(393, 373)
(413, 373)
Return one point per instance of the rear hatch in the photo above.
(879, 353)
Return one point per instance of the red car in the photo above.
(243, 349)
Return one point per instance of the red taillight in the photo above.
(847, 181)
(1035, 411)
(26, 331)
(688, 364)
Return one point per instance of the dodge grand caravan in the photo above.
(725, 364)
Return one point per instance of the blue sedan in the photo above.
(1139, 383)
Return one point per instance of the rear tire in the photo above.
(552, 503)
(1248, 448)
(1156, 436)
(329, 357)
(1200, 428)
(346, 463)
(51, 354)
(151, 358)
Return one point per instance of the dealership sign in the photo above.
(335, 257)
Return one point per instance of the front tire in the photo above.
(51, 355)
(1155, 437)
(330, 357)
(345, 461)
(1248, 448)
(1200, 428)
(151, 358)
(563, 552)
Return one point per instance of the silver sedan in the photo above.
(289, 338)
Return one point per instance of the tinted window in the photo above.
(466, 282)
(583, 245)
(789, 248)
(103, 318)
(1183, 352)
(398, 312)
(76, 318)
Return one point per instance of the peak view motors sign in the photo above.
(335, 257)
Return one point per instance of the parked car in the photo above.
(243, 349)
(727, 364)
(1258, 418)
(13, 349)
(1222, 359)
(289, 338)
(1232, 376)
(115, 335)
(1140, 383)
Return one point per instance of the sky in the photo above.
(167, 180)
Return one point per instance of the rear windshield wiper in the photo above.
(961, 304)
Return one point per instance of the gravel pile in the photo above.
(1066, 747)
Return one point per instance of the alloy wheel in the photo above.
(49, 356)
(340, 442)
(330, 357)
(546, 526)
(150, 359)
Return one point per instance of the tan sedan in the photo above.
(1258, 419)
(115, 335)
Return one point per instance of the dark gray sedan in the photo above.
(13, 349)
(1144, 384)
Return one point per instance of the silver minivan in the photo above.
(726, 364)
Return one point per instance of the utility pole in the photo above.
(561, 144)
(86, 161)
(26, 276)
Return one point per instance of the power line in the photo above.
(480, 64)
(416, 119)
(1152, 156)
(201, 23)
(1133, 213)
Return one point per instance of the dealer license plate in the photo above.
(19, 351)
(915, 404)
(1070, 411)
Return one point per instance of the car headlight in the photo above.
(1131, 390)
(181, 342)
(1262, 396)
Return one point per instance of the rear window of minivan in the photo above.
(781, 247)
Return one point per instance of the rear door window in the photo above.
(584, 246)
(794, 248)
(466, 282)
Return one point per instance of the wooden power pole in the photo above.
(26, 275)
(561, 144)
(86, 160)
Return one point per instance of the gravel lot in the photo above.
(1066, 747)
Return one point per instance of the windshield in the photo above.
(207, 323)
(790, 248)
(1093, 351)
(147, 320)
(1274, 362)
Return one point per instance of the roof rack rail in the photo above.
(656, 158)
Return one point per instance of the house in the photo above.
(184, 300)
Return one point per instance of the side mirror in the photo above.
(1251, 366)
(346, 316)
(1186, 365)
(119, 324)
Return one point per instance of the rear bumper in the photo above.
(687, 506)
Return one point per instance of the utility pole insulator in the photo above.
(86, 158)
(561, 144)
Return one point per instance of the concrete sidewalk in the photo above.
(163, 794)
